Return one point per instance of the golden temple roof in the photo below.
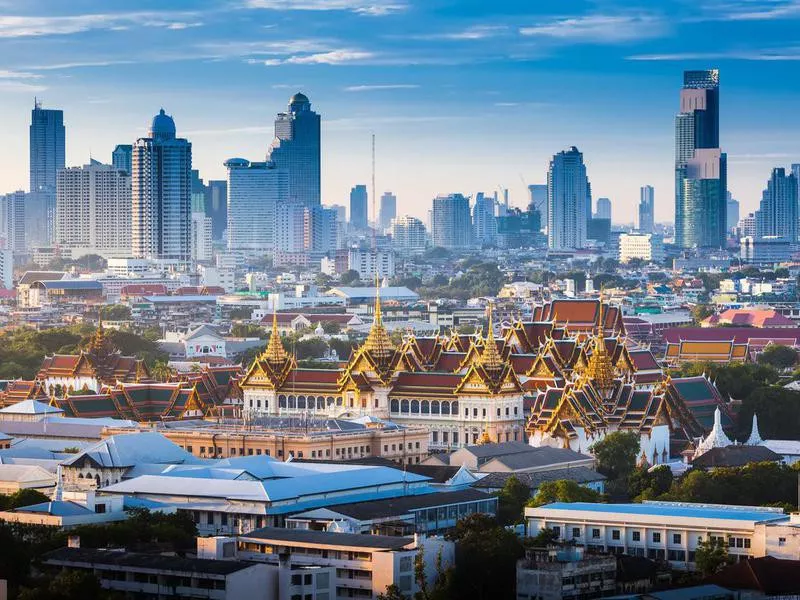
(378, 343)
(490, 357)
(600, 370)
(275, 352)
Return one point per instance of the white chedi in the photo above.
(716, 437)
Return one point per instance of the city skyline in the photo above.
(389, 68)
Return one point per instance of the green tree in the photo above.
(313, 348)
(23, 497)
(246, 330)
(563, 490)
(544, 538)
(350, 278)
(511, 501)
(67, 585)
(644, 484)
(778, 411)
(780, 357)
(486, 557)
(616, 454)
(331, 327)
(161, 371)
(115, 312)
(392, 593)
(711, 556)
(701, 312)
(441, 588)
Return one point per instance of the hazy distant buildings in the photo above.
(732, 212)
(647, 247)
(538, 200)
(484, 220)
(93, 210)
(217, 207)
(296, 149)
(777, 214)
(12, 221)
(388, 210)
(700, 165)
(603, 210)
(451, 223)
(201, 242)
(371, 263)
(747, 226)
(408, 234)
(255, 190)
(161, 193)
(647, 197)
(121, 158)
(568, 200)
(358, 207)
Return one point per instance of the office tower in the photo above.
(93, 210)
(538, 200)
(452, 226)
(217, 207)
(12, 221)
(747, 226)
(567, 208)
(7, 268)
(777, 213)
(408, 234)
(201, 237)
(647, 198)
(502, 205)
(700, 165)
(161, 193)
(296, 150)
(388, 210)
(46, 148)
(341, 212)
(732, 212)
(484, 221)
(121, 157)
(255, 190)
(358, 207)
(290, 229)
(199, 193)
(321, 230)
(603, 209)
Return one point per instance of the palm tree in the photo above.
(161, 370)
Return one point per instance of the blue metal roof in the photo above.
(692, 511)
(73, 284)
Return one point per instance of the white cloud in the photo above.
(79, 64)
(784, 54)
(363, 7)
(7, 74)
(376, 88)
(30, 26)
(332, 57)
(14, 85)
(598, 28)
(476, 32)
(752, 10)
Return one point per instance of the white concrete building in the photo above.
(7, 268)
(408, 234)
(648, 247)
(369, 262)
(667, 530)
(201, 237)
(93, 210)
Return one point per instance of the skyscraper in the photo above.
(161, 193)
(217, 207)
(46, 148)
(451, 227)
(567, 206)
(388, 210)
(255, 190)
(647, 198)
(733, 210)
(358, 207)
(777, 213)
(603, 209)
(538, 200)
(12, 221)
(121, 157)
(93, 210)
(408, 234)
(296, 150)
(700, 165)
(484, 220)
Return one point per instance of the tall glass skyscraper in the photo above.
(603, 209)
(296, 150)
(451, 227)
(647, 197)
(46, 148)
(538, 200)
(358, 207)
(778, 212)
(388, 210)
(700, 165)
(121, 158)
(568, 210)
(161, 193)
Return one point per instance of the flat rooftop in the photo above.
(328, 538)
(136, 561)
(666, 509)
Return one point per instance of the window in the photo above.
(223, 519)
(498, 412)
(444, 438)
(506, 411)
(656, 538)
(576, 532)
(484, 413)
(595, 533)
(556, 531)
(676, 538)
(615, 534)
(475, 413)
(516, 408)
(636, 536)
(435, 437)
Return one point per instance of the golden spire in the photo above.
(274, 351)
(378, 342)
(600, 370)
(490, 357)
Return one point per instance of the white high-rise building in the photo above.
(388, 210)
(369, 263)
(255, 190)
(408, 234)
(7, 268)
(93, 210)
(12, 221)
(568, 203)
(648, 247)
(290, 228)
(484, 220)
(161, 193)
(201, 237)
(451, 225)
(296, 150)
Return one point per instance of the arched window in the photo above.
(445, 408)
(292, 402)
(97, 480)
(404, 406)
(80, 475)
(320, 403)
(435, 407)
(281, 401)
(339, 401)
(454, 407)
(425, 407)
(415, 407)
(395, 406)
(331, 401)
(301, 402)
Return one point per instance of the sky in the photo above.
(462, 95)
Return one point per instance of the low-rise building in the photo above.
(647, 247)
(559, 573)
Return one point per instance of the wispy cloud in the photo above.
(751, 10)
(230, 131)
(8, 74)
(377, 88)
(19, 81)
(79, 64)
(784, 54)
(332, 57)
(599, 28)
(36, 26)
(363, 7)
(475, 32)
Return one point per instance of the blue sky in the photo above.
(463, 95)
